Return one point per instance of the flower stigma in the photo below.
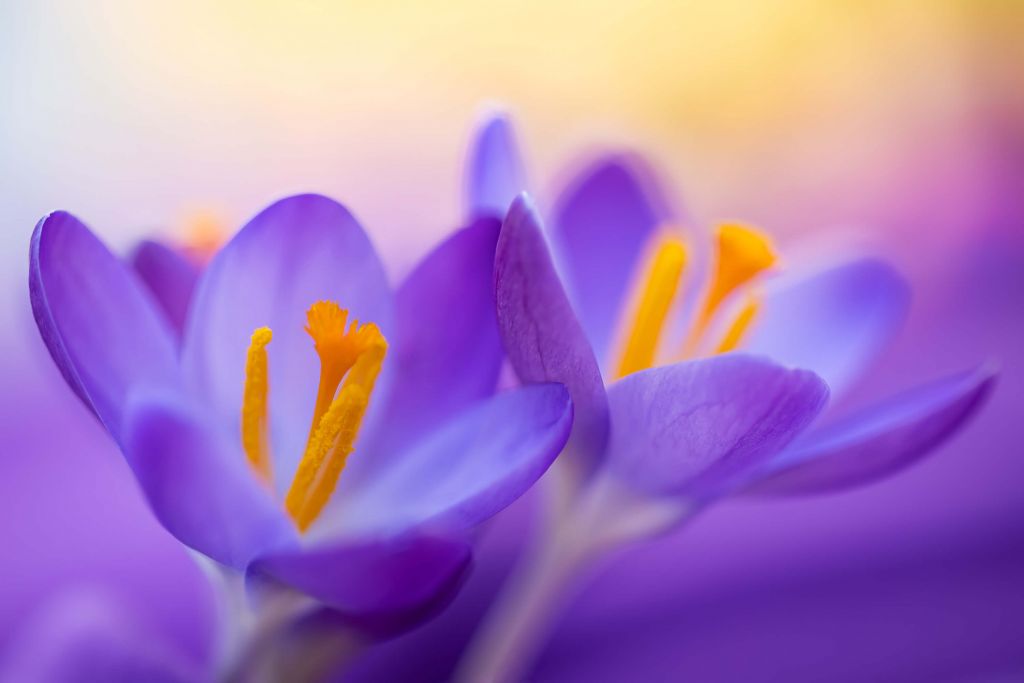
(742, 253)
(351, 356)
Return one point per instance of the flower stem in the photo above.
(281, 636)
(520, 621)
(578, 528)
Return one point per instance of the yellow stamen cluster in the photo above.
(742, 254)
(338, 349)
(351, 356)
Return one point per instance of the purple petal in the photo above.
(199, 484)
(447, 352)
(693, 428)
(296, 252)
(494, 169)
(170, 277)
(602, 225)
(101, 328)
(879, 441)
(542, 336)
(471, 468)
(375, 583)
(834, 322)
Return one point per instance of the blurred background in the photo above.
(898, 123)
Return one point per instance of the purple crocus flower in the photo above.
(669, 416)
(215, 433)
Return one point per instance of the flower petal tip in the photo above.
(99, 324)
(541, 333)
(494, 169)
(880, 440)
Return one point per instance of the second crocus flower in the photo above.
(682, 362)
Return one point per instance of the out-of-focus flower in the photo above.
(171, 278)
(86, 566)
(171, 270)
(211, 434)
(679, 426)
(85, 635)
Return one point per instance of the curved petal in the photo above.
(447, 352)
(542, 336)
(494, 169)
(471, 468)
(693, 428)
(199, 484)
(833, 322)
(377, 584)
(299, 250)
(878, 441)
(170, 277)
(101, 328)
(603, 222)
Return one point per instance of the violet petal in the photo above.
(447, 352)
(542, 336)
(374, 583)
(494, 169)
(101, 327)
(693, 428)
(199, 484)
(833, 322)
(602, 225)
(878, 441)
(469, 469)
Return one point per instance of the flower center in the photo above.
(742, 253)
(351, 356)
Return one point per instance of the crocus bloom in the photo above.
(239, 448)
(668, 417)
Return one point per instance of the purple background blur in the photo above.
(896, 127)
